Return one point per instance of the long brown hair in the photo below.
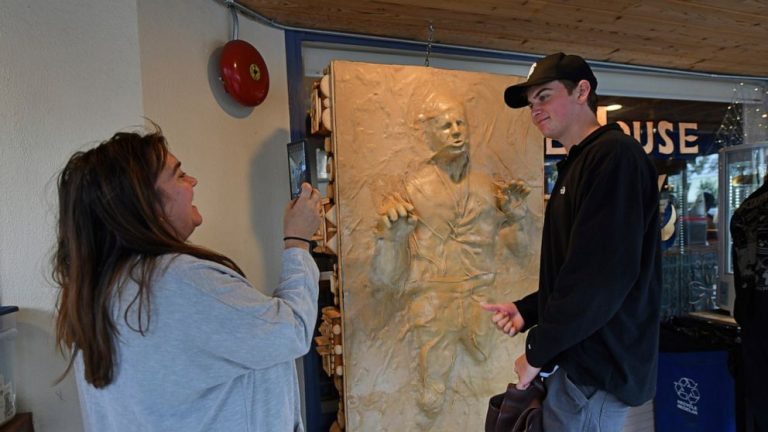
(111, 228)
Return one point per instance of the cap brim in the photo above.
(516, 96)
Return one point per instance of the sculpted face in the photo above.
(447, 133)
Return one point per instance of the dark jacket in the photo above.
(596, 313)
(749, 232)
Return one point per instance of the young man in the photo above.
(593, 325)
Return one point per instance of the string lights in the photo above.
(746, 118)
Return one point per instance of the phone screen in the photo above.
(298, 166)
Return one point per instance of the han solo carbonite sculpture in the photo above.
(435, 247)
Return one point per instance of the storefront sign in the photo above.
(664, 138)
(660, 139)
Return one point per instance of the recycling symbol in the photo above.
(687, 390)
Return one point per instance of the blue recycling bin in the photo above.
(695, 393)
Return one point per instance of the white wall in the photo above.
(69, 75)
(74, 71)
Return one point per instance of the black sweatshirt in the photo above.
(596, 313)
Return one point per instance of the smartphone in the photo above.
(298, 166)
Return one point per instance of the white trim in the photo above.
(614, 79)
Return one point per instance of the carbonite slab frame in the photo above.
(378, 147)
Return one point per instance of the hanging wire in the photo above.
(430, 38)
(235, 24)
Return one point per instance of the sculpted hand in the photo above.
(525, 372)
(506, 317)
(302, 215)
(397, 219)
(510, 198)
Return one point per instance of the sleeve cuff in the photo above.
(531, 354)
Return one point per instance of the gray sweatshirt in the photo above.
(218, 355)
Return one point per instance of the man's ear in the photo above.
(584, 87)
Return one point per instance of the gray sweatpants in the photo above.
(571, 408)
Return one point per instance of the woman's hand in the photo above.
(302, 217)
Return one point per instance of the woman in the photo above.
(165, 335)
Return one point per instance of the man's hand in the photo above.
(397, 219)
(506, 317)
(525, 372)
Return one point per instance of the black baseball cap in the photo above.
(552, 67)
